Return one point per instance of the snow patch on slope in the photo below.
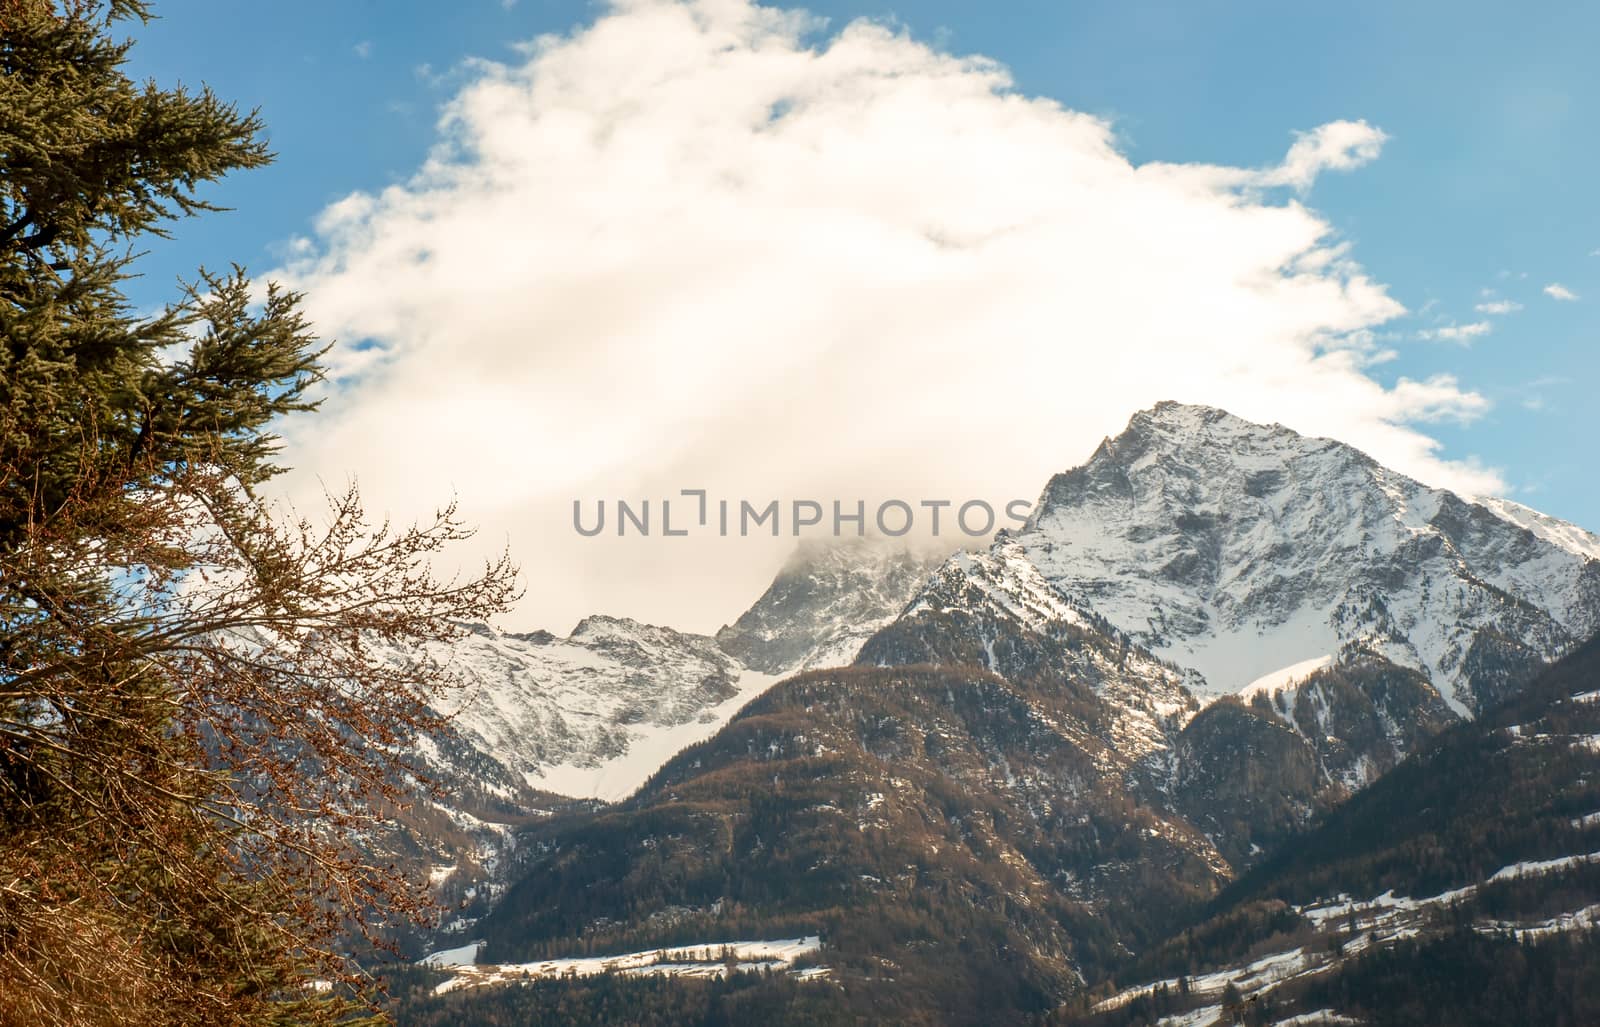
(646, 751)
(1285, 677)
(695, 961)
(1359, 925)
(1559, 533)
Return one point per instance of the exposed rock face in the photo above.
(1244, 778)
(1361, 717)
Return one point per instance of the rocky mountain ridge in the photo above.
(1242, 550)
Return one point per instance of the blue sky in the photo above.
(1482, 195)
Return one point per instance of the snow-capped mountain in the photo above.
(596, 713)
(1220, 556)
(1252, 555)
(830, 597)
(1347, 612)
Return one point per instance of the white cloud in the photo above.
(706, 246)
(1458, 333)
(1336, 146)
(1557, 291)
(1440, 399)
(1498, 307)
(363, 49)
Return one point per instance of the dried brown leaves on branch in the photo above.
(204, 700)
(192, 753)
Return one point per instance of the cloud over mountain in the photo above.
(715, 245)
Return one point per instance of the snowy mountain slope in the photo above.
(594, 714)
(1241, 550)
(587, 715)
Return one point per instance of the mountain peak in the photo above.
(1170, 429)
(1193, 422)
(1178, 460)
(1240, 549)
(1175, 414)
(601, 625)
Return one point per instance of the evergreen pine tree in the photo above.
(192, 714)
